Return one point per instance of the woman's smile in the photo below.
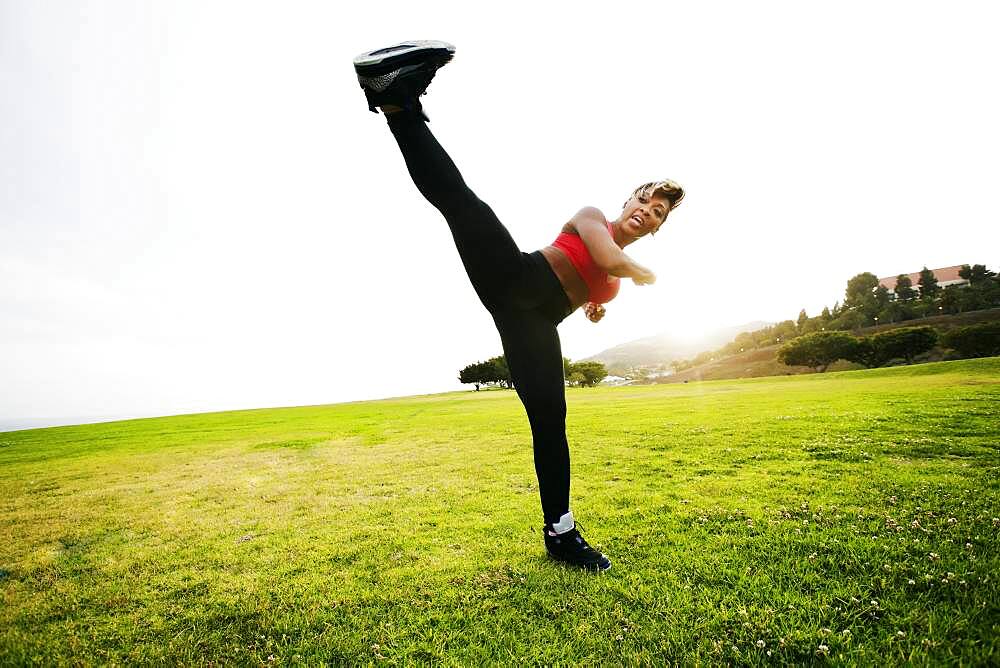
(638, 226)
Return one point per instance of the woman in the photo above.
(527, 294)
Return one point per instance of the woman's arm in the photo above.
(592, 227)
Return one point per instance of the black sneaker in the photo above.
(398, 75)
(571, 548)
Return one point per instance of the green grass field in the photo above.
(849, 518)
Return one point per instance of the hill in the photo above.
(763, 361)
(665, 348)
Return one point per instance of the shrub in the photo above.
(905, 342)
(818, 350)
(975, 340)
(866, 354)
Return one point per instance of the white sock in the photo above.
(565, 523)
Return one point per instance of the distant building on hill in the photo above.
(945, 277)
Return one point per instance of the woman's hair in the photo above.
(669, 190)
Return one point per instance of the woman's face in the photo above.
(643, 215)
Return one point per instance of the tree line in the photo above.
(821, 349)
(495, 373)
(868, 303)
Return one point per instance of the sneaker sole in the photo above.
(382, 61)
(595, 568)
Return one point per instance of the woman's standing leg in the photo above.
(534, 357)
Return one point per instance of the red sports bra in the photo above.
(601, 287)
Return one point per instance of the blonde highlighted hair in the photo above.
(669, 190)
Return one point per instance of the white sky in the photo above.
(198, 212)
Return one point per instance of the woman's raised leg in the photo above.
(492, 260)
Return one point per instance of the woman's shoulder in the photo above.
(588, 215)
(591, 213)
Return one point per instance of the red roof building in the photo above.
(945, 277)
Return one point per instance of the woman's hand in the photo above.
(594, 312)
(645, 278)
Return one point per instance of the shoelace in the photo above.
(579, 537)
(584, 545)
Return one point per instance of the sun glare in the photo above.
(695, 322)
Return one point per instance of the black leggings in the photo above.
(519, 290)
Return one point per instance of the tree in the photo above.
(825, 315)
(893, 312)
(982, 292)
(800, 323)
(860, 289)
(811, 325)
(975, 340)
(904, 288)
(976, 274)
(988, 292)
(501, 374)
(850, 319)
(591, 372)
(492, 371)
(784, 331)
(818, 350)
(861, 298)
(744, 341)
(980, 274)
(928, 284)
(881, 296)
(473, 374)
(905, 342)
(951, 299)
(866, 354)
